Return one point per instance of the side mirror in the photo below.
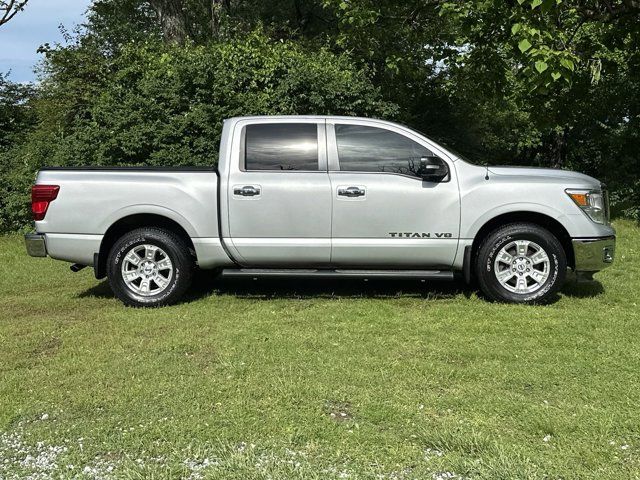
(433, 169)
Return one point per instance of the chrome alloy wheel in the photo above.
(522, 266)
(147, 270)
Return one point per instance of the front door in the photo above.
(384, 214)
(279, 195)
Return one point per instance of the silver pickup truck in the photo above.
(320, 196)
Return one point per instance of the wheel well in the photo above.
(132, 222)
(540, 219)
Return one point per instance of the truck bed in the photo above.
(93, 199)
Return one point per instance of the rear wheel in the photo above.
(149, 267)
(521, 263)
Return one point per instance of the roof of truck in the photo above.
(307, 117)
(325, 117)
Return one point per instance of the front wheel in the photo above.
(521, 263)
(149, 267)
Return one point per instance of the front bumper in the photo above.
(593, 254)
(36, 245)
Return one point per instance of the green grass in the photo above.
(317, 379)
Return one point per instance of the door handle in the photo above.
(351, 192)
(247, 191)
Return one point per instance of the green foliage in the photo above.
(543, 82)
(164, 105)
(568, 71)
(17, 118)
(15, 190)
(547, 34)
(156, 104)
(626, 201)
(16, 115)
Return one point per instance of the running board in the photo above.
(338, 273)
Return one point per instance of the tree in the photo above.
(173, 19)
(16, 112)
(17, 120)
(542, 82)
(162, 104)
(9, 9)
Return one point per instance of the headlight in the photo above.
(592, 202)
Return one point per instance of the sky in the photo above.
(36, 25)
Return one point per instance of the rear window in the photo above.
(281, 146)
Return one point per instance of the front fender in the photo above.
(470, 229)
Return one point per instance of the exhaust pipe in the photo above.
(76, 267)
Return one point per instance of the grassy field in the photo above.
(379, 380)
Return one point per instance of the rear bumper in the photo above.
(70, 247)
(36, 245)
(593, 254)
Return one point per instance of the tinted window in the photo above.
(281, 146)
(370, 149)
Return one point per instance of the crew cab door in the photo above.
(384, 214)
(278, 193)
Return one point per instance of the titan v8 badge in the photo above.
(419, 235)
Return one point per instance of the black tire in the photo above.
(485, 264)
(182, 267)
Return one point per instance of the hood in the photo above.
(549, 174)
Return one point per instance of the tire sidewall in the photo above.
(556, 260)
(114, 268)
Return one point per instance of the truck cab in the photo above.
(337, 192)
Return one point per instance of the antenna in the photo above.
(486, 176)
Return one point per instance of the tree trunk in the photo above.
(559, 148)
(216, 13)
(173, 19)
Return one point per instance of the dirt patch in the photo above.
(47, 347)
(338, 411)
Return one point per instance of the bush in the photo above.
(17, 118)
(156, 104)
(625, 202)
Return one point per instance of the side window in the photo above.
(281, 146)
(371, 149)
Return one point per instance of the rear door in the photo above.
(279, 195)
(384, 214)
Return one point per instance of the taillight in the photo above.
(41, 196)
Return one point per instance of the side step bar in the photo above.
(338, 273)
